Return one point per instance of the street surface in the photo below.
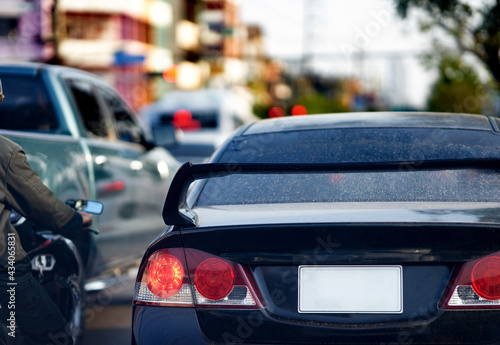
(109, 314)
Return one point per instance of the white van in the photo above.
(206, 117)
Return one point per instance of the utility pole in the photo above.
(56, 33)
(315, 23)
(308, 34)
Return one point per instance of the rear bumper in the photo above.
(158, 325)
(180, 326)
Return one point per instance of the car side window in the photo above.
(127, 128)
(88, 107)
(26, 106)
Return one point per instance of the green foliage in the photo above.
(473, 25)
(261, 110)
(317, 103)
(457, 88)
(446, 7)
(262, 99)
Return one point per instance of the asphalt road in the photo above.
(109, 314)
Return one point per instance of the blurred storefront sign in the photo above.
(88, 53)
(122, 58)
(107, 53)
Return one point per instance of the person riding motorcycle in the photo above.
(22, 298)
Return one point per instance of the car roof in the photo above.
(374, 120)
(35, 68)
(20, 68)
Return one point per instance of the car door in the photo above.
(148, 171)
(118, 166)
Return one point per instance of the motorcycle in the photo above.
(57, 264)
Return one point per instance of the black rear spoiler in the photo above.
(175, 211)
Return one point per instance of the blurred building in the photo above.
(210, 44)
(143, 47)
(254, 53)
(24, 30)
(121, 40)
(222, 38)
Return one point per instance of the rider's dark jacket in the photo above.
(21, 189)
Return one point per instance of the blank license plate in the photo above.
(351, 289)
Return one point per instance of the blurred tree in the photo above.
(457, 88)
(261, 110)
(317, 103)
(474, 25)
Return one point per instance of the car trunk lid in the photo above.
(425, 253)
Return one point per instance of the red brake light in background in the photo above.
(183, 119)
(476, 286)
(276, 112)
(298, 110)
(170, 74)
(114, 186)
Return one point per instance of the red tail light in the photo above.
(486, 278)
(178, 277)
(163, 279)
(476, 286)
(165, 275)
(214, 279)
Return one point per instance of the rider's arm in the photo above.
(26, 193)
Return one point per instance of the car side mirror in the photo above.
(166, 135)
(93, 207)
(89, 206)
(1, 92)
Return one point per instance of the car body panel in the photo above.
(178, 327)
(349, 212)
(67, 170)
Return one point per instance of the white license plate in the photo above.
(351, 289)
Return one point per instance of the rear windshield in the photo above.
(26, 106)
(359, 145)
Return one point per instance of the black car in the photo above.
(359, 228)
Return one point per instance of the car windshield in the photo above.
(360, 145)
(26, 105)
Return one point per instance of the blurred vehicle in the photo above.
(360, 228)
(85, 142)
(206, 117)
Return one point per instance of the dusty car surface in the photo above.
(85, 142)
(352, 228)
